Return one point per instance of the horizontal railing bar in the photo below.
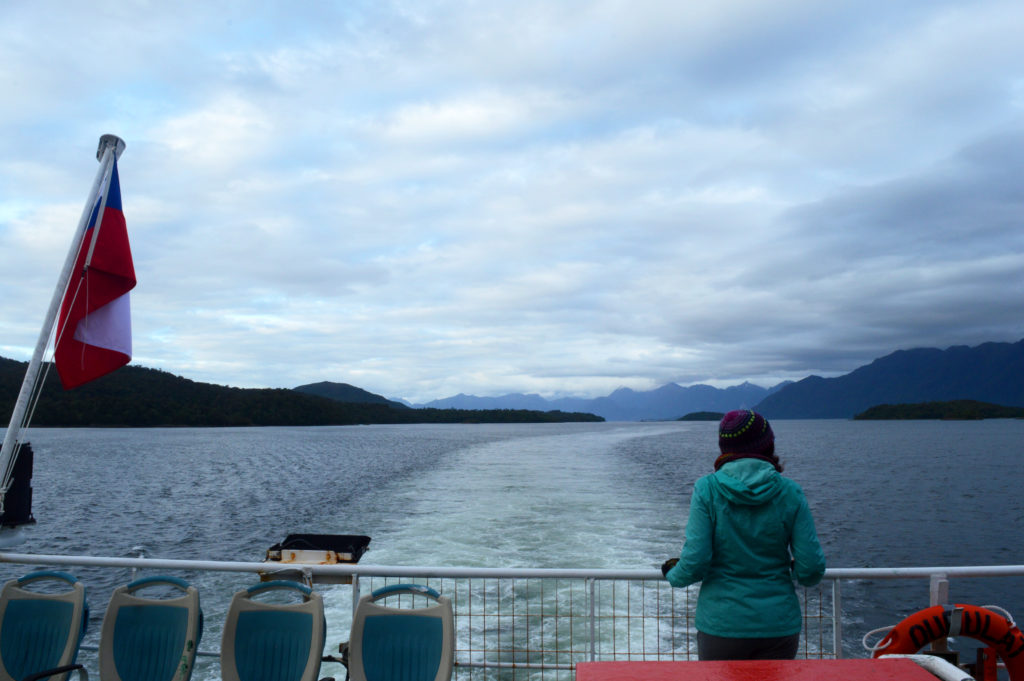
(514, 665)
(457, 663)
(199, 653)
(917, 572)
(328, 570)
(499, 665)
(467, 572)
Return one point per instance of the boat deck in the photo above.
(755, 670)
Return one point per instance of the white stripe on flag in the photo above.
(108, 327)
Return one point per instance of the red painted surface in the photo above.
(755, 670)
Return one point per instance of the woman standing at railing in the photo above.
(749, 534)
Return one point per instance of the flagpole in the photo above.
(109, 150)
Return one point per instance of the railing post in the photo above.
(135, 570)
(938, 589)
(593, 621)
(355, 593)
(837, 619)
(938, 594)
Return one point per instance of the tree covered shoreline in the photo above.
(140, 397)
(961, 410)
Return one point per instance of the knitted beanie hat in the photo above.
(745, 434)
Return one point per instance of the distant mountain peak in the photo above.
(343, 392)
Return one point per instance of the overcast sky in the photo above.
(427, 198)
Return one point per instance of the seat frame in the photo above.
(13, 592)
(116, 653)
(368, 609)
(243, 603)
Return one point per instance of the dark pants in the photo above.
(721, 648)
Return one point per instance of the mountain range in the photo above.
(990, 372)
(668, 402)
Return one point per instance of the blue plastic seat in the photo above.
(402, 644)
(273, 641)
(151, 638)
(39, 631)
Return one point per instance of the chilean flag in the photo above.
(94, 330)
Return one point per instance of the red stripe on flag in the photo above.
(109, 276)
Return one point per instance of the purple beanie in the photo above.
(745, 434)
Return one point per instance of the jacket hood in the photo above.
(750, 482)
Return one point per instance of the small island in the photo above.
(955, 410)
(702, 416)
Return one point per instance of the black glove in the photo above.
(668, 565)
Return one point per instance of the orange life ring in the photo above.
(940, 621)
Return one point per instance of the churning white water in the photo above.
(558, 499)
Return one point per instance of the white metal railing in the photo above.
(538, 623)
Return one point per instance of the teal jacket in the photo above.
(750, 533)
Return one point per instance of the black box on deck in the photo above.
(316, 549)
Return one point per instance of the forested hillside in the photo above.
(136, 396)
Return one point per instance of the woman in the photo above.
(749, 534)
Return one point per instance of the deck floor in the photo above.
(755, 670)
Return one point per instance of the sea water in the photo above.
(605, 495)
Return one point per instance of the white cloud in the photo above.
(561, 198)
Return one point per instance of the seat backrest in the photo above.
(402, 644)
(273, 641)
(148, 638)
(40, 631)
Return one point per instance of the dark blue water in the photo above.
(556, 495)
